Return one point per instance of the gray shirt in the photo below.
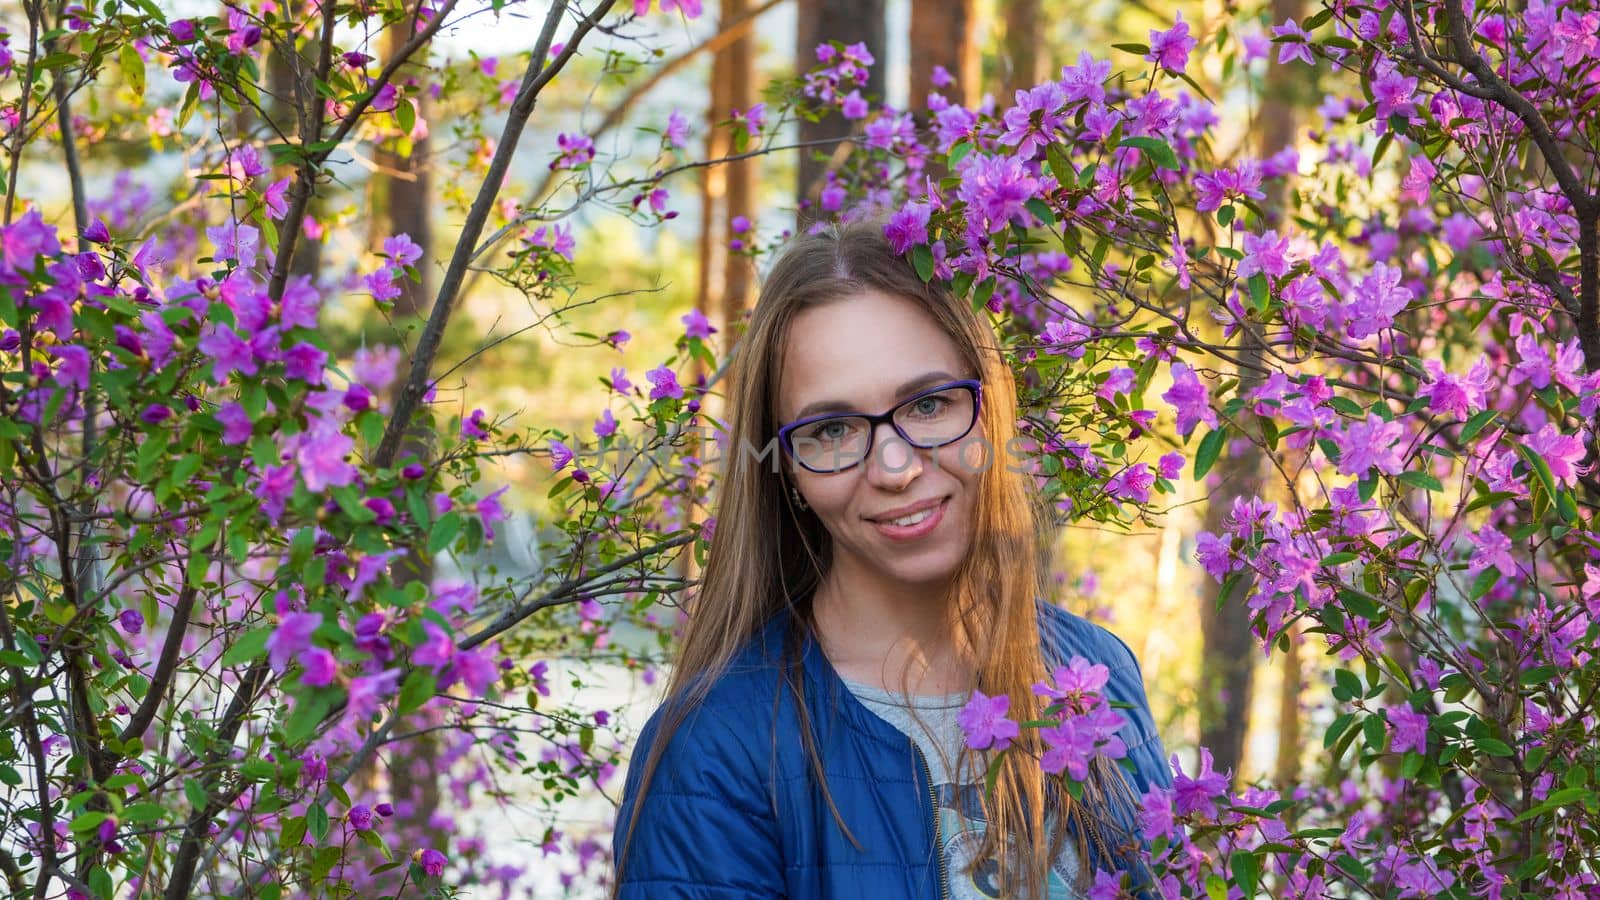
(961, 818)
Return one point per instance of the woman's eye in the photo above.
(824, 431)
(937, 404)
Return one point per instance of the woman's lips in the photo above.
(913, 532)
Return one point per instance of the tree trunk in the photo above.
(281, 110)
(1228, 662)
(1024, 63)
(405, 195)
(945, 33)
(726, 190)
(403, 204)
(738, 201)
(847, 21)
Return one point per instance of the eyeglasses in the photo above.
(836, 442)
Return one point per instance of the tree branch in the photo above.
(305, 179)
(537, 76)
(196, 832)
(1500, 92)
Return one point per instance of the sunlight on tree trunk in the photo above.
(725, 192)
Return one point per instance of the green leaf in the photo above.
(1246, 871)
(1346, 685)
(307, 713)
(1383, 142)
(371, 423)
(444, 532)
(87, 821)
(258, 770)
(1538, 466)
(1411, 765)
(1359, 604)
(418, 687)
(1210, 448)
(195, 792)
(136, 813)
(1537, 674)
(1476, 424)
(1041, 210)
(132, 69)
(1492, 746)
(1060, 165)
(1337, 728)
(1155, 149)
(305, 540)
(372, 839)
(1551, 803)
(317, 821)
(150, 452)
(985, 290)
(249, 646)
(186, 466)
(405, 116)
(1422, 480)
(1259, 292)
(1485, 580)
(1373, 732)
(922, 258)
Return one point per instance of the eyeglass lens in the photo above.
(927, 421)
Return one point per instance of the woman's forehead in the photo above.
(862, 351)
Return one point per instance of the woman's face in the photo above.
(868, 353)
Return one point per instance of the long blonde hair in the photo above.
(767, 555)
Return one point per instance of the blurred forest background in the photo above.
(1203, 670)
(1207, 685)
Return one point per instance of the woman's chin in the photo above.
(933, 568)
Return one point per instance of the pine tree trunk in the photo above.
(849, 22)
(1228, 667)
(403, 204)
(1025, 64)
(945, 33)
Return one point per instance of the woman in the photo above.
(872, 564)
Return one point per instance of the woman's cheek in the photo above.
(971, 457)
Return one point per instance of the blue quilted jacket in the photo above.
(732, 811)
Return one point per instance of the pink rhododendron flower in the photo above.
(983, 721)
(1170, 49)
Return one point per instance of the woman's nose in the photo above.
(893, 462)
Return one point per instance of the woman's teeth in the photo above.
(912, 519)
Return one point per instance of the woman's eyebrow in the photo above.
(926, 379)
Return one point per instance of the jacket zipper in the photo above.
(933, 803)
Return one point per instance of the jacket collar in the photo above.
(826, 690)
(828, 699)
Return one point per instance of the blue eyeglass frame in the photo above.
(786, 433)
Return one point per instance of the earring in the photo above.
(794, 494)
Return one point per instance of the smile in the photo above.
(913, 525)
